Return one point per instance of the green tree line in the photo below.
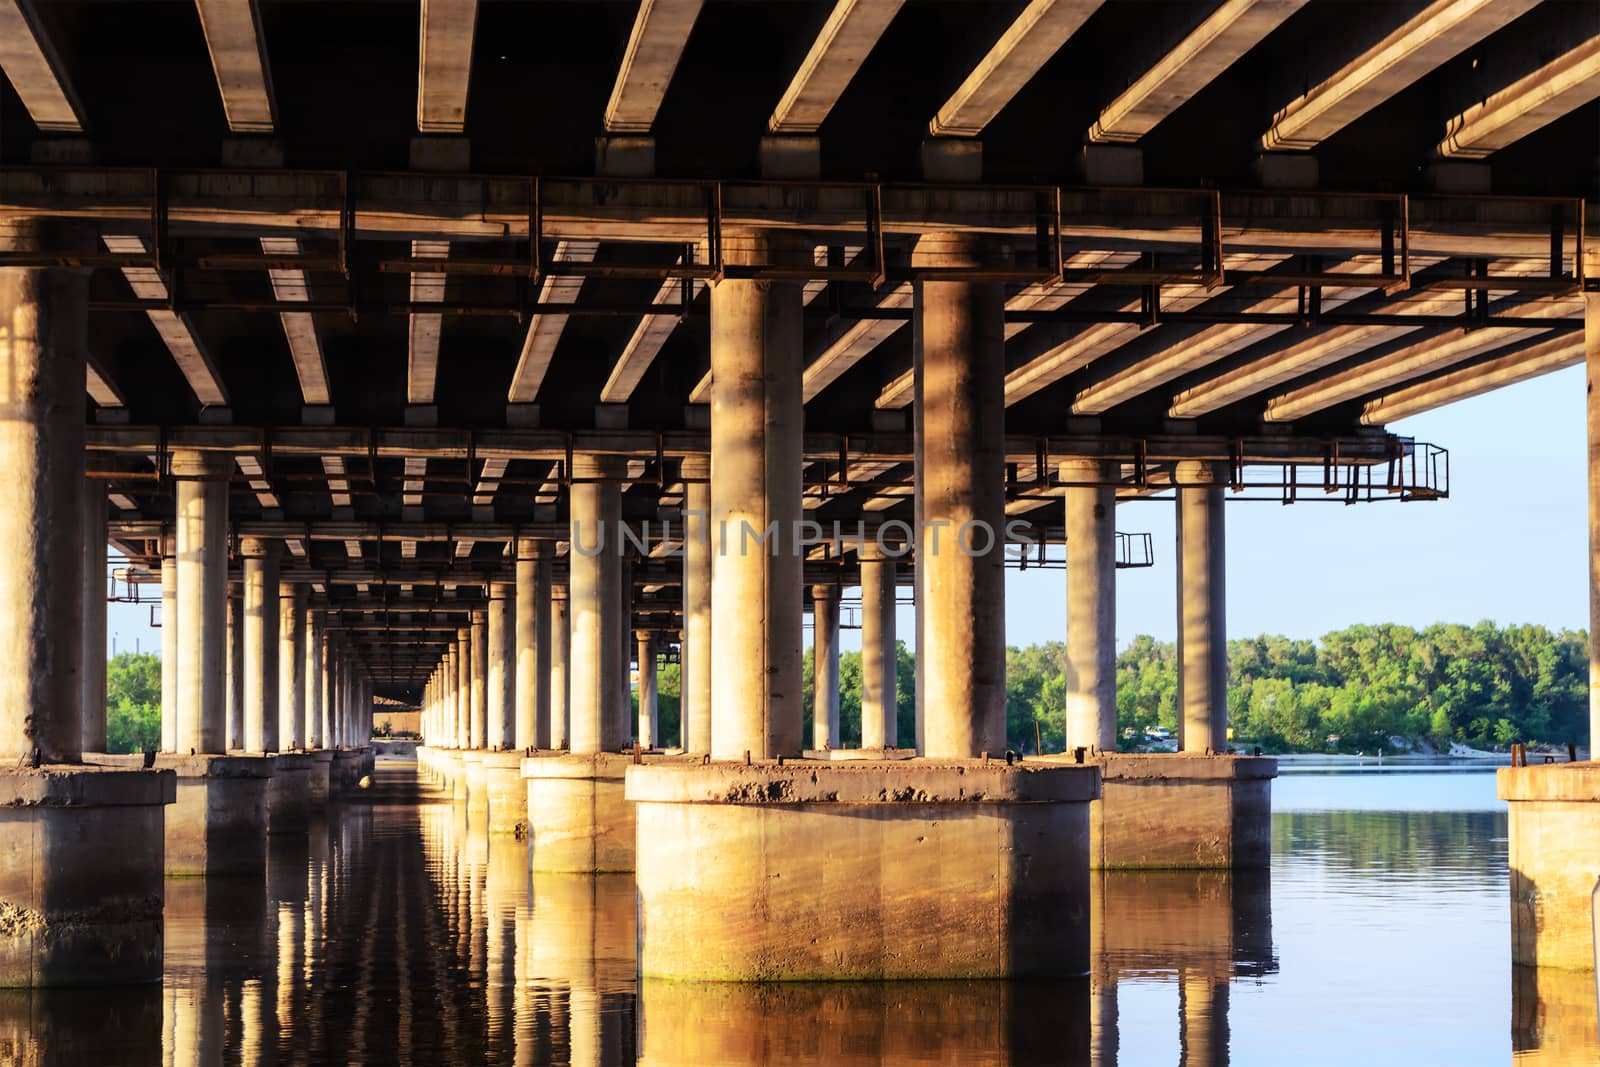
(1483, 685)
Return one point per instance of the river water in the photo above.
(397, 933)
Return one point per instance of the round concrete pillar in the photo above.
(880, 689)
(260, 644)
(501, 683)
(958, 346)
(531, 662)
(1591, 348)
(235, 667)
(694, 665)
(291, 666)
(94, 615)
(464, 687)
(1202, 610)
(1091, 503)
(202, 479)
(756, 429)
(325, 682)
(480, 678)
(622, 625)
(824, 667)
(42, 342)
(594, 595)
(169, 644)
(649, 721)
(560, 641)
(313, 679)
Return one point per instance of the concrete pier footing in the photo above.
(80, 875)
(477, 784)
(1181, 810)
(321, 779)
(289, 793)
(506, 791)
(578, 819)
(1553, 845)
(349, 764)
(894, 870)
(218, 822)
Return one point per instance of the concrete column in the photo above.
(94, 615)
(502, 696)
(622, 627)
(464, 687)
(958, 346)
(1591, 349)
(531, 663)
(449, 679)
(313, 679)
(202, 479)
(1202, 610)
(594, 595)
(325, 682)
(1091, 508)
(756, 429)
(291, 666)
(169, 644)
(260, 644)
(42, 342)
(235, 667)
(824, 667)
(880, 682)
(560, 641)
(649, 720)
(480, 678)
(694, 665)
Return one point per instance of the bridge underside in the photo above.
(435, 359)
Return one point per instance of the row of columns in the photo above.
(742, 583)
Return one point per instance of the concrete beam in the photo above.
(1519, 364)
(1438, 33)
(299, 328)
(852, 346)
(852, 29)
(1323, 348)
(1025, 46)
(660, 32)
(1389, 370)
(35, 71)
(1526, 105)
(422, 360)
(444, 64)
(1211, 48)
(198, 368)
(544, 332)
(239, 57)
(641, 349)
(102, 389)
(1076, 352)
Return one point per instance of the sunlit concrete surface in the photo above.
(1555, 862)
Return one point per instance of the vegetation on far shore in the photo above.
(1360, 689)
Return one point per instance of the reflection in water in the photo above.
(400, 932)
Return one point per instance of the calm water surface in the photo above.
(397, 933)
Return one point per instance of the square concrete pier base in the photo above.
(858, 870)
(1553, 845)
(218, 824)
(477, 786)
(289, 793)
(81, 875)
(321, 780)
(1181, 810)
(506, 791)
(347, 771)
(578, 819)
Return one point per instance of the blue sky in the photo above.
(1509, 545)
